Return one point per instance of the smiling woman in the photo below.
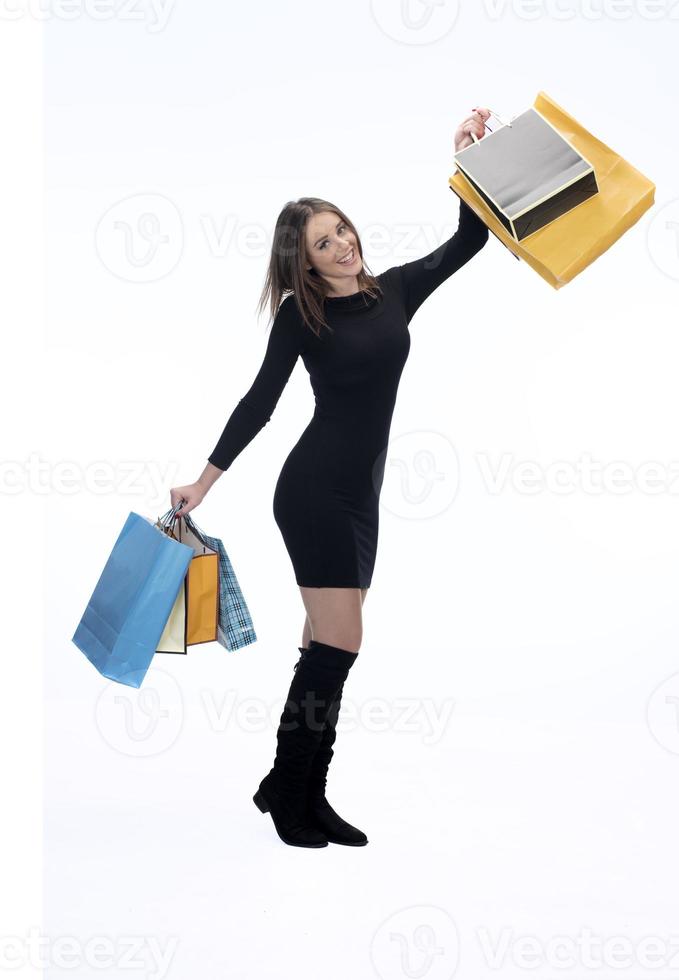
(326, 500)
(351, 330)
(325, 256)
(313, 238)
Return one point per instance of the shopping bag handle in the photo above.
(192, 526)
(166, 522)
(499, 119)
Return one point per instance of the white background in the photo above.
(509, 738)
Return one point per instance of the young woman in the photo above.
(351, 330)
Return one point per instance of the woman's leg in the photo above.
(333, 613)
(333, 617)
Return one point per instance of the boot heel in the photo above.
(260, 802)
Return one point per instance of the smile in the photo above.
(348, 259)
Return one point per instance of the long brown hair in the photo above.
(288, 273)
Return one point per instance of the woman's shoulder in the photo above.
(288, 323)
(387, 277)
(288, 311)
(287, 305)
(390, 279)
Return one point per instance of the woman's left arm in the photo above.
(422, 276)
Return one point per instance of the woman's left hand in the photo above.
(474, 123)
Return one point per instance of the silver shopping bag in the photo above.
(528, 173)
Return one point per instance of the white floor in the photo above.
(514, 830)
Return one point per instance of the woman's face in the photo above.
(329, 241)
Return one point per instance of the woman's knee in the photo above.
(345, 632)
(335, 616)
(344, 639)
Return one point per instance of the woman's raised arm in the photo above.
(421, 277)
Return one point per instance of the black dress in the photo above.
(326, 500)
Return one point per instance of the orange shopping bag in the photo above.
(202, 592)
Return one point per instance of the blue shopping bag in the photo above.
(125, 617)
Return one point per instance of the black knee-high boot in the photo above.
(283, 791)
(320, 813)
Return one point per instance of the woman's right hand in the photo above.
(473, 123)
(191, 494)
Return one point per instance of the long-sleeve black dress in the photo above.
(326, 500)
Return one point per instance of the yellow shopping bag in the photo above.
(202, 581)
(564, 247)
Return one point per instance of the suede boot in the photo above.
(320, 814)
(283, 791)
